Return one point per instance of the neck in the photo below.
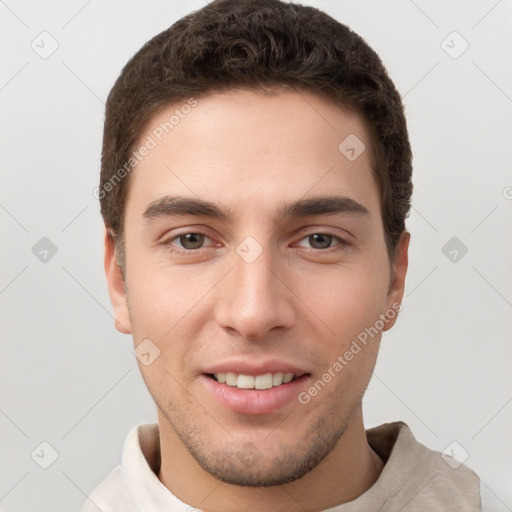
(348, 471)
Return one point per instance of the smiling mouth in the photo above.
(259, 382)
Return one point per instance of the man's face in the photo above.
(256, 292)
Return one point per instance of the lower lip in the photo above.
(255, 401)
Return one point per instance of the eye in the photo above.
(186, 242)
(191, 240)
(322, 241)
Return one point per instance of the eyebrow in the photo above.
(175, 206)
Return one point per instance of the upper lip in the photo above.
(245, 367)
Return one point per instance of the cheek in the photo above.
(171, 306)
(351, 312)
(160, 304)
(158, 300)
(349, 301)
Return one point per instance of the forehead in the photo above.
(240, 147)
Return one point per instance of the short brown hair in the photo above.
(234, 44)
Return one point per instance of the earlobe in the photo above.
(116, 286)
(396, 291)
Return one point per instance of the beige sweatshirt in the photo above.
(414, 478)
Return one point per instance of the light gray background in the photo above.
(68, 378)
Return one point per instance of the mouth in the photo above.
(255, 391)
(259, 382)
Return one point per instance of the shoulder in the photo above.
(111, 495)
(420, 478)
(140, 460)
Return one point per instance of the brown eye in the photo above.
(320, 240)
(324, 242)
(191, 240)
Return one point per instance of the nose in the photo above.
(255, 297)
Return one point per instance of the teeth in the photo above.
(287, 378)
(231, 379)
(277, 379)
(265, 381)
(245, 382)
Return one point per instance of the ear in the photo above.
(399, 270)
(116, 286)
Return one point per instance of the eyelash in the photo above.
(342, 243)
